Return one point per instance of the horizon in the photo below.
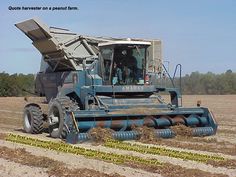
(1, 72)
(199, 35)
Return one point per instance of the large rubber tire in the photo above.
(33, 119)
(56, 115)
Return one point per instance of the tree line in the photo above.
(194, 83)
(209, 83)
(16, 84)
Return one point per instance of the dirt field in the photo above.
(24, 160)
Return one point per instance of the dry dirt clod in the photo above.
(100, 135)
(146, 134)
(182, 130)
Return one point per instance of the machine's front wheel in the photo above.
(56, 119)
(33, 119)
(57, 111)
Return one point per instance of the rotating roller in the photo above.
(132, 135)
(203, 131)
(162, 122)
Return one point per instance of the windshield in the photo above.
(124, 65)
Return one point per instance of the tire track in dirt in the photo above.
(8, 169)
(9, 111)
(229, 128)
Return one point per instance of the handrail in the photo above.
(172, 82)
(180, 78)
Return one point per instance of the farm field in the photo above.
(180, 156)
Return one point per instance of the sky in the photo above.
(199, 34)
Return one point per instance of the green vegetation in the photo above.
(209, 83)
(15, 84)
(194, 83)
(68, 148)
(145, 149)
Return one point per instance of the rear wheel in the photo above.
(57, 111)
(33, 119)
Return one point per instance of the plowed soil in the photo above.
(16, 157)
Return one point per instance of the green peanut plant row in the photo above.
(68, 148)
(161, 151)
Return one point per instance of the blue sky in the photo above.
(200, 34)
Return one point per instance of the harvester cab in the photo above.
(104, 82)
(123, 62)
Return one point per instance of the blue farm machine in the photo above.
(105, 82)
